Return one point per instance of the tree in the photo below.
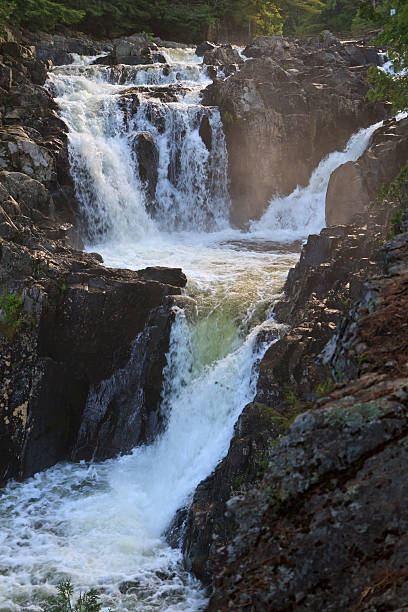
(38, 14)
(393, 16)
(334, 15)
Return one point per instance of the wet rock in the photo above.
(147, 156)
(206, 132)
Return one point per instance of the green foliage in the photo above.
(38, 14)
(326, 387)
(291, 398)
(394, 36)
(189, 20)
(86, 602)
(391, 193)
(395, 190)
(334, 15)
(395, 224)
(11, 314)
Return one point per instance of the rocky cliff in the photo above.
(286, 108)
(68, 325)
(326, 529)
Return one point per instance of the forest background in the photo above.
(188, 20)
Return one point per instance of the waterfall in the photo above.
(123, 118)
(303, 211)
(102, 524)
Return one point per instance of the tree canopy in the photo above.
(177, 19)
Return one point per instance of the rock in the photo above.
(269, 46)
(330, 274)
(206, 132)
(330, 511)
(27, 191)
(60, 49)
(203, 47)
(327, 523)
(354, 186)
(132, 51)
(147, 156)
(6, 77)
(170, 44)
(221, 56)
(56, 56)
(20, 153)
(287, 110)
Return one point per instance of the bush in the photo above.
(86, 602)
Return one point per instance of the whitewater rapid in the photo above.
(102, 525)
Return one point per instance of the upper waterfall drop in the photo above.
(145, 155)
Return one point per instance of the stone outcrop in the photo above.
(287, 108)
(60, 49)
(355, 185)
(222, 56)
(319, 290)
(147, 156)
(326, 529)
(71, 330)
(132, 51)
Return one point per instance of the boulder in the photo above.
(204, 47)
(28, 192)
(269, 46)
(221, 56)
(206, 132)
(6, 77)
(18, 152)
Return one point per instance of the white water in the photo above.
(102, 525)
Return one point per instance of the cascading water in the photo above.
(101, 524)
